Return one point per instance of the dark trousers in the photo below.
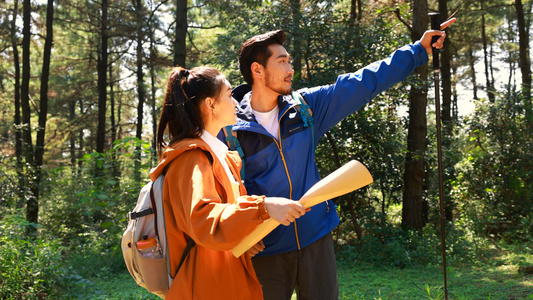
(311, 271)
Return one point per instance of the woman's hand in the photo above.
(256, 249)
(283, 210)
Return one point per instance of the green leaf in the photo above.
(106, 224)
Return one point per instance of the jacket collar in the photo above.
(175, 150)
(246, 119)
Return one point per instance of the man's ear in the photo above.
(257, 70)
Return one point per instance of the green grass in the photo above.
(115, 286)
(362, 282)
(492, 272)
(368, 282)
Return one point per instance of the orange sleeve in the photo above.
(197, 207)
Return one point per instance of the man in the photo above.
(279, 153)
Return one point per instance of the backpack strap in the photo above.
(154, 207)
(234, 145)
(190, 242)
(306, 113)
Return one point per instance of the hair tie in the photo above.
(184, 75)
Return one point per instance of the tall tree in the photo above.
(180, 50)
(296, 37)
(25, 86)
(33, 206)
(72, 135)
(471, 63)
(523, 42)
(485, 41)
(356, 9)
(153, 103)
(415, 208)
(141, 88)
(17, 117)
(153, 88)
(102, 79)
(31, 201)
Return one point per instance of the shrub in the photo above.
(29, 269)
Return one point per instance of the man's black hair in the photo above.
(255, 49)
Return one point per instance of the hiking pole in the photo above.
(435, 25)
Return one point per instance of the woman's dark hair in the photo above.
(186, 90)
(255, 49)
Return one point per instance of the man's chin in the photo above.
(282, 91)
(285, 92)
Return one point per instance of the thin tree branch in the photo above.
(397, 12)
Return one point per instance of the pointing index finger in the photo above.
(447, 23)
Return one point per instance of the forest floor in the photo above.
(492, 281)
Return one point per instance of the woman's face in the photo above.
(225, 107)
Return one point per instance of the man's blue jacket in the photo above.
(286, 167)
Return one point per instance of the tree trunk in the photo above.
(446, 79)
(31, 201)
(353, 9)
(153, 90)
(112, 120)
(102, 82)
(359, 10)
(523, 42)
(414, 211)
(471, 63)
(489, 88)
(25, 87)
(356, 9)
(180, 50)
(350, 198)
(80, 138)
(455, 109)
(141, 91)
(72, 136)
(33, 209)
(114, 137)
(510, 39)
(17, 118)
(296, 39)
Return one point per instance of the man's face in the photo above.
(278, 70)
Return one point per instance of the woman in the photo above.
(202, 191)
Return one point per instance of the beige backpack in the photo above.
(146, 223)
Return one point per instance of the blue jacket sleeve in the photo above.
(332, 103)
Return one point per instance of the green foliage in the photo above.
(91, 203)
(28, 269)
(82, 218)
(496, 174)
(87, 266)
(385, 244)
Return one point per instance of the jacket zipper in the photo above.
(280, 148)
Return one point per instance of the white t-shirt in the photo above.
(220, 150)
(269, 120)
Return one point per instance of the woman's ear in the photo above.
(209, 104)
